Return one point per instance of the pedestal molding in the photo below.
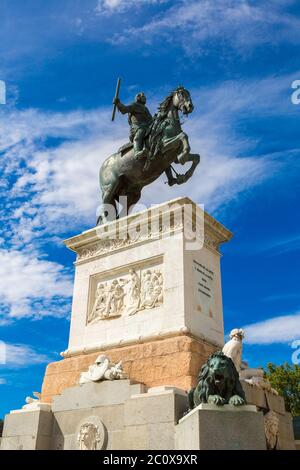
(141, 340)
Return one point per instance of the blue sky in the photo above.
(60, 60)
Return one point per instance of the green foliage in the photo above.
(286, 380)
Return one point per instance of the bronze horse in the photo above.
(123, 175)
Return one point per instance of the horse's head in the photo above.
(182, 100)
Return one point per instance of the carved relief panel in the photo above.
(134, 290)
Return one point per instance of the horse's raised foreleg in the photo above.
(195, 159)
(183, 157)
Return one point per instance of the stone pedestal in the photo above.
(147, 291)
(123, 415)
(109, 415)
(209, 427)
(166, 361)
(27, 430)
(267, 401)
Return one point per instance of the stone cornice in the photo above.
(154, 223)
(71, 352)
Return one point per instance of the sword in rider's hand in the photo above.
(116, 97)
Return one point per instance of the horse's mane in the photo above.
(159, 122)
(164, 105)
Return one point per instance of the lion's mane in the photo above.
(229, 386)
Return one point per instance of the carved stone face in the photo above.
(88, 437)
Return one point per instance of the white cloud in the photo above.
(242, 24)
(56, 188)
(32, 287)
(22, 355)
(2, 92)
(103, 5)
(283, 329)
(282, 246)
(3, 381)
(117, 6)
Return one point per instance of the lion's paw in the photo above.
(236, 400)
(216, 400)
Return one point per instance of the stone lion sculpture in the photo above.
(218, 383)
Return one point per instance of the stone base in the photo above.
(127, 416)
(265, 401)
(172, 361)
(35, 406)
(124, 416)
(209, 427)
(29, 430)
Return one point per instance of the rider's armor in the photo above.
(139, 118)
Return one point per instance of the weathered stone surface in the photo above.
(158, 436)
(154, 408)
(161, 436)
(136, 437)
(254, 395)
(116, 440)
(217, 429)
(263, 399)
(171, 361)
(105, 393)
(111, 416)
(142, 421)
(226, 408)
(30, 430)
(285, 432)
(18, 443)
(275, 403)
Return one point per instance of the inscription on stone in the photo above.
(204, 288)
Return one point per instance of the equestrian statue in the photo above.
(155, 143)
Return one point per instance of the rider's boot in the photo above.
(138, 145)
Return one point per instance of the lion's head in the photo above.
(218, 377)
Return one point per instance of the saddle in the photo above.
(125, 148)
